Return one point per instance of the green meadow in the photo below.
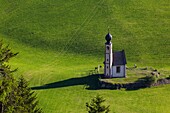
(61, 41)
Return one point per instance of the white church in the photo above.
(115, 62)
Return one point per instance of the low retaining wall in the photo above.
(161, 82)
(132, 86)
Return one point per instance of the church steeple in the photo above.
(108, 56)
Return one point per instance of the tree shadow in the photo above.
(91, 82)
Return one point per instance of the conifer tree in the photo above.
(15, 97)
(6, 78)
(96, 105)
(27, 101)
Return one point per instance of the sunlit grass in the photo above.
(63, 39)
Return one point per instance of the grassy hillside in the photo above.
(61, 40)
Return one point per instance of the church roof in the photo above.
(119, 58)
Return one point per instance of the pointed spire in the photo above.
(108, 38)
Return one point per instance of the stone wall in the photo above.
(131, 86)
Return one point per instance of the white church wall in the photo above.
(122, 72)
(108, 60)
(107, 70)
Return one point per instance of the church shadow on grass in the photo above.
(91, 82)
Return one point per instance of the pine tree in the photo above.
(96, 105)
(6, 78)
(15, 97)
(26, 101)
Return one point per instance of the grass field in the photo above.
(60, 41)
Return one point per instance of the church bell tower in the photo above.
(108, 57)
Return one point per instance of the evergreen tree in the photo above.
(7, 82)
(96, 105)
(26, 101)
(15, 97)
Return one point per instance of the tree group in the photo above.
(15, 95)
